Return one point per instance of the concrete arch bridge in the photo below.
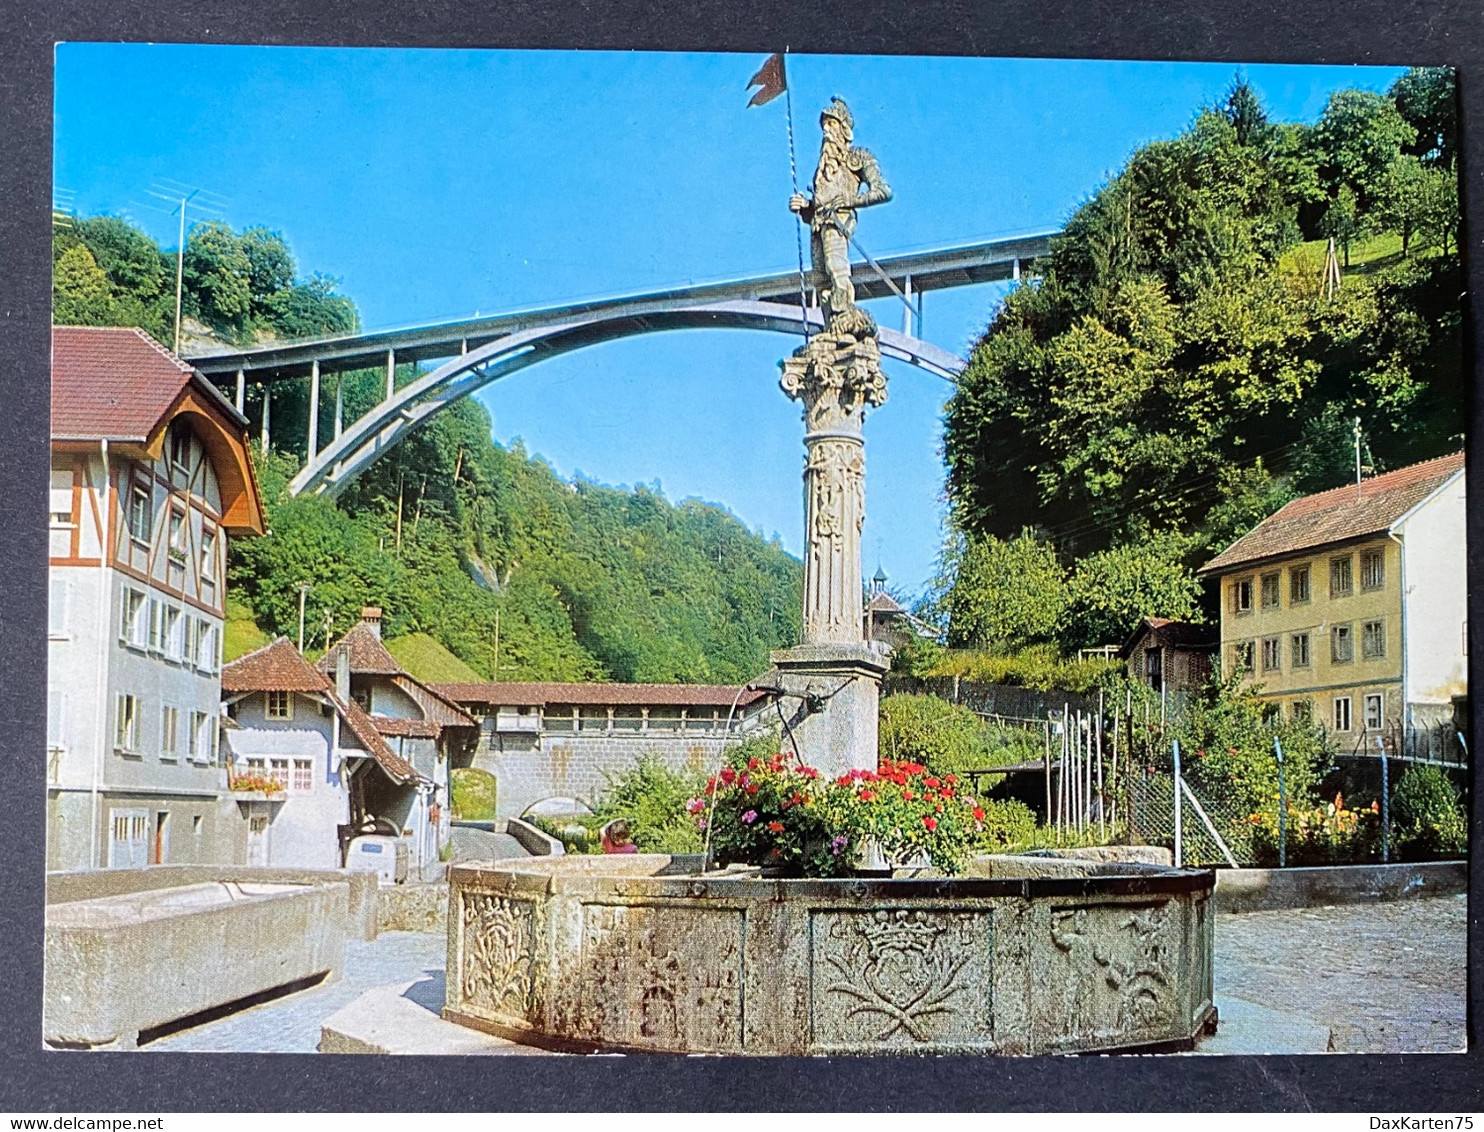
(475, 352)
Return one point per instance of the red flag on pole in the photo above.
(770, 81)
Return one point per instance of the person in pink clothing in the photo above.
(618, 838)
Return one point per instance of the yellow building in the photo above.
(1350, 606)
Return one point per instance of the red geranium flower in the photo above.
(775, 827)
(751, 788)
(728, 775)
(753, 764)
(867, 796)
(978, 814)
(908, 795)
(931, 823)
(931, 782)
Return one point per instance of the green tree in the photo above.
(1006, 594)
(270, 264)
(218, 277)
(1426, 98)
(310, 310)
(1341, 221)
(1359, 135)
(1111, 591)
(81, 295)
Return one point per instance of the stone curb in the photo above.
(1266, 890)
(385, 1021)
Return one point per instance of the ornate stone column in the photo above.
(833, 676)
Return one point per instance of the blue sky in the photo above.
(437, 184)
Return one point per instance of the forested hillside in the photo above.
(483, 548)
(1182, 368)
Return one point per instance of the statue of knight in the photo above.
(831, 215)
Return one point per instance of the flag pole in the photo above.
(793, 172)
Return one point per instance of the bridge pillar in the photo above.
(313, 409)
(267, 412)
(391, 373)
(907, 311)
(241, 389)
(339, 405)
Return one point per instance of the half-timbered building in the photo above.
(150, 477)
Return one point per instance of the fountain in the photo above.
(1025, 955)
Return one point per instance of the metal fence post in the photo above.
(1385, 807)
(1179, 854)
(1282, 807)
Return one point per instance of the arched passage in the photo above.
(371, 437)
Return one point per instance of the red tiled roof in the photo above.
(1177, 634)
(277, 667)
(1340, 514)
(368, 656)
(677, 695)
(116, 382)
(411, 728)
(361, 725)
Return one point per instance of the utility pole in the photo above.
(303, 592)
(1357, 459)
(179, 278)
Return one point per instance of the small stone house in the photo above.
(421, 725)
(286, 726)
(1350, 607)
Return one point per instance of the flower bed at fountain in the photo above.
(786, 817)
(1026, 955)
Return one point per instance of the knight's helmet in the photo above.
(841, 113)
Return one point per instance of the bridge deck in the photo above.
(960, 266)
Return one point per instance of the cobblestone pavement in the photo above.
(291, 1024)
(1385, 978)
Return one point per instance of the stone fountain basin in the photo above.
(116, 965)
(641, 953)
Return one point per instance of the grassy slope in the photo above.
(429, 661)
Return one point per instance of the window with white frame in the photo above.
(141, 511)
(280, 705)
(173, 630)
(1342, 713)
(208, 557)
(195, 747)
(206, 645)
(126, 723)
(156, 625)
(1241, 595)
(56, 609)
(178, 530)
(1374, 711)
(180, 446)
(61, 498)
(278, 770)
(134, 618)
(303, 774)
(169, 732)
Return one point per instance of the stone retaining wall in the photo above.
(413, 908)
(1264, 890)
(567, 764)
